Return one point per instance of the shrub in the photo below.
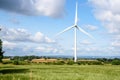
(96, 63)
(116, 62)
(79, 63)
(7, 62)
(16, 62)
(87, 62)
(70, 62)
(59, 63)
(23, 63)
(48, 63)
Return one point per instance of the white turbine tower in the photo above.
(75, 26)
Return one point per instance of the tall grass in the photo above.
(59, 72)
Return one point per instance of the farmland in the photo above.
(59, 72)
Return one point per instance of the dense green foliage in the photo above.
(90, 62)
(70, 62)
(59, 72)
(16, 62)
(116, 62)
(1, 52)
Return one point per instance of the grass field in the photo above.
(59, 72)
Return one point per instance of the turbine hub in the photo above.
(75, 26)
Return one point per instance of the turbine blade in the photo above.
(76, 14)
(79, 28)
(68, 28)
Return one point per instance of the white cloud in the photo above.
(55, 48)
(46, 49)
(116, 44)
(91, 27)
(91, 49)
(22, 35)
(108, 12)
(86, 42)
(52, 8)
(9, 45)
(39, 37)
(21, 42)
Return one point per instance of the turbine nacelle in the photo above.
(75, 26)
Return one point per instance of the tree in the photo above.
(116, 62)
(1, 52)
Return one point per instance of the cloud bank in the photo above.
(21, 42)
(108, 13)
(52, 8)
(22, 35)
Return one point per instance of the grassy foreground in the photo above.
(59, 72)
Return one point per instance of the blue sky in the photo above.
(29, 27)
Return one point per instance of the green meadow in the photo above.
(59, 72)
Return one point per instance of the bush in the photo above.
(16, 62)
(79, 63)
(82, 62)
(23, 63)
(59, 63)
(49, 63)
(70, 62)
(116, 62)
(86, 62)
(96, 63)
(7, 62)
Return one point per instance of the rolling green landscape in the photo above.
(59, 72)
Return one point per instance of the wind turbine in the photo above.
(76, 27)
